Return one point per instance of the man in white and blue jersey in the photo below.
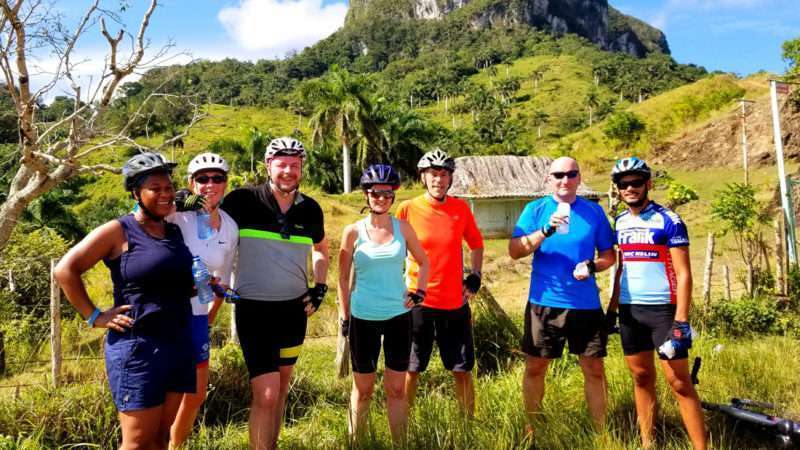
(653, 290)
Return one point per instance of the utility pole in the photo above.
(745, 155)
(786, 204)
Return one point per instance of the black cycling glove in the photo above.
(316, 294)
(186, 201)
(473, 282)
(610, 321)
(548, 230)
(344, 326)
(417, 297)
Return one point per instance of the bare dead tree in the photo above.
(50, 153)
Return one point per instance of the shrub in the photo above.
(679, 194)
(624, 127)
(744, 316)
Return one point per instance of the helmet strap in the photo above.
(149, 214)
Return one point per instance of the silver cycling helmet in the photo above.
(284, 146)
(208, 161)
(142, 164)
(630, 166)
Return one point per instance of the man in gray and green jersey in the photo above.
(278, 229)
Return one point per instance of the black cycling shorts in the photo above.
(365, 343)
(548, 329)
(643, 328)
(271, 333)
(452, 331)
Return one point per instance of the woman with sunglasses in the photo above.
(375, 248)
(147, 348)
(211, 234)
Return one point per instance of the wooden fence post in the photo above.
(708, 268)
(55, 325)
(234, 332)
(2, 355)
(726, 277)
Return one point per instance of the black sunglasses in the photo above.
(216, 179)
(380, 194)
(622, 185)
(569, 174)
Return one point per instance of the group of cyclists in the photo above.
(401, 286)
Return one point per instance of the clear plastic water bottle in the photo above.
(201, 280)
(563, 210)
(204, 230)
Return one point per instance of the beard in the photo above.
(285, 187)
(638, 203)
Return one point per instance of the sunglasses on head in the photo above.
(380, 194)
(216, 179)
(622, 185)
(568, 174)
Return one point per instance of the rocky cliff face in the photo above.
(592, 19)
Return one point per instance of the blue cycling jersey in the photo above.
(648, 277)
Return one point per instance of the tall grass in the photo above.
(764, 368)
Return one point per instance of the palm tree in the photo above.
(405, 134)
(592, 101)
(255, 142)
(342, 111)
(537, 75)
(539, 118)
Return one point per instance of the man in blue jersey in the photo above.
(570, 239)
(653, 289)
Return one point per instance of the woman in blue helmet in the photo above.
(148, 346)
(374, 302)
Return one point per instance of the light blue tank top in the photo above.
(380, 289)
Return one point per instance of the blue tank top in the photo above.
(155, 276)
(380, 290)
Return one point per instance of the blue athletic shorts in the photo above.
(142, 368)
(200, 340)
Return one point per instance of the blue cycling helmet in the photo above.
(630, 166)
(380, 174)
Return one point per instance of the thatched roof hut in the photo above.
(506, 177)
(498, 188)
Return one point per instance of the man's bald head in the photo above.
(564, 164)
(564, 188)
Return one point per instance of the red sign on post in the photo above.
(781, 88)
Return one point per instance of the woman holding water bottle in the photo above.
(147, 349)
(211, 235)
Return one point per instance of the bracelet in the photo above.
(93, 317)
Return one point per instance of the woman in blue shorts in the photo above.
(148, 346)
(216, 247)
(375, 248)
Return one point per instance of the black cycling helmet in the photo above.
(630, 166)
(436, 159)
(145, 163)
(380, 174)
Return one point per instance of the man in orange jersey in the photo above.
(442, 223)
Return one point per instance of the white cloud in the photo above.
(674, 9)
(277, 26)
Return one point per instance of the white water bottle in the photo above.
(204, 230)
(563, 210)
(201, 280)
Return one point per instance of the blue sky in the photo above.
(740, 36)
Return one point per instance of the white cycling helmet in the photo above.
(436, 159)
(206, 161)
(284, 146)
